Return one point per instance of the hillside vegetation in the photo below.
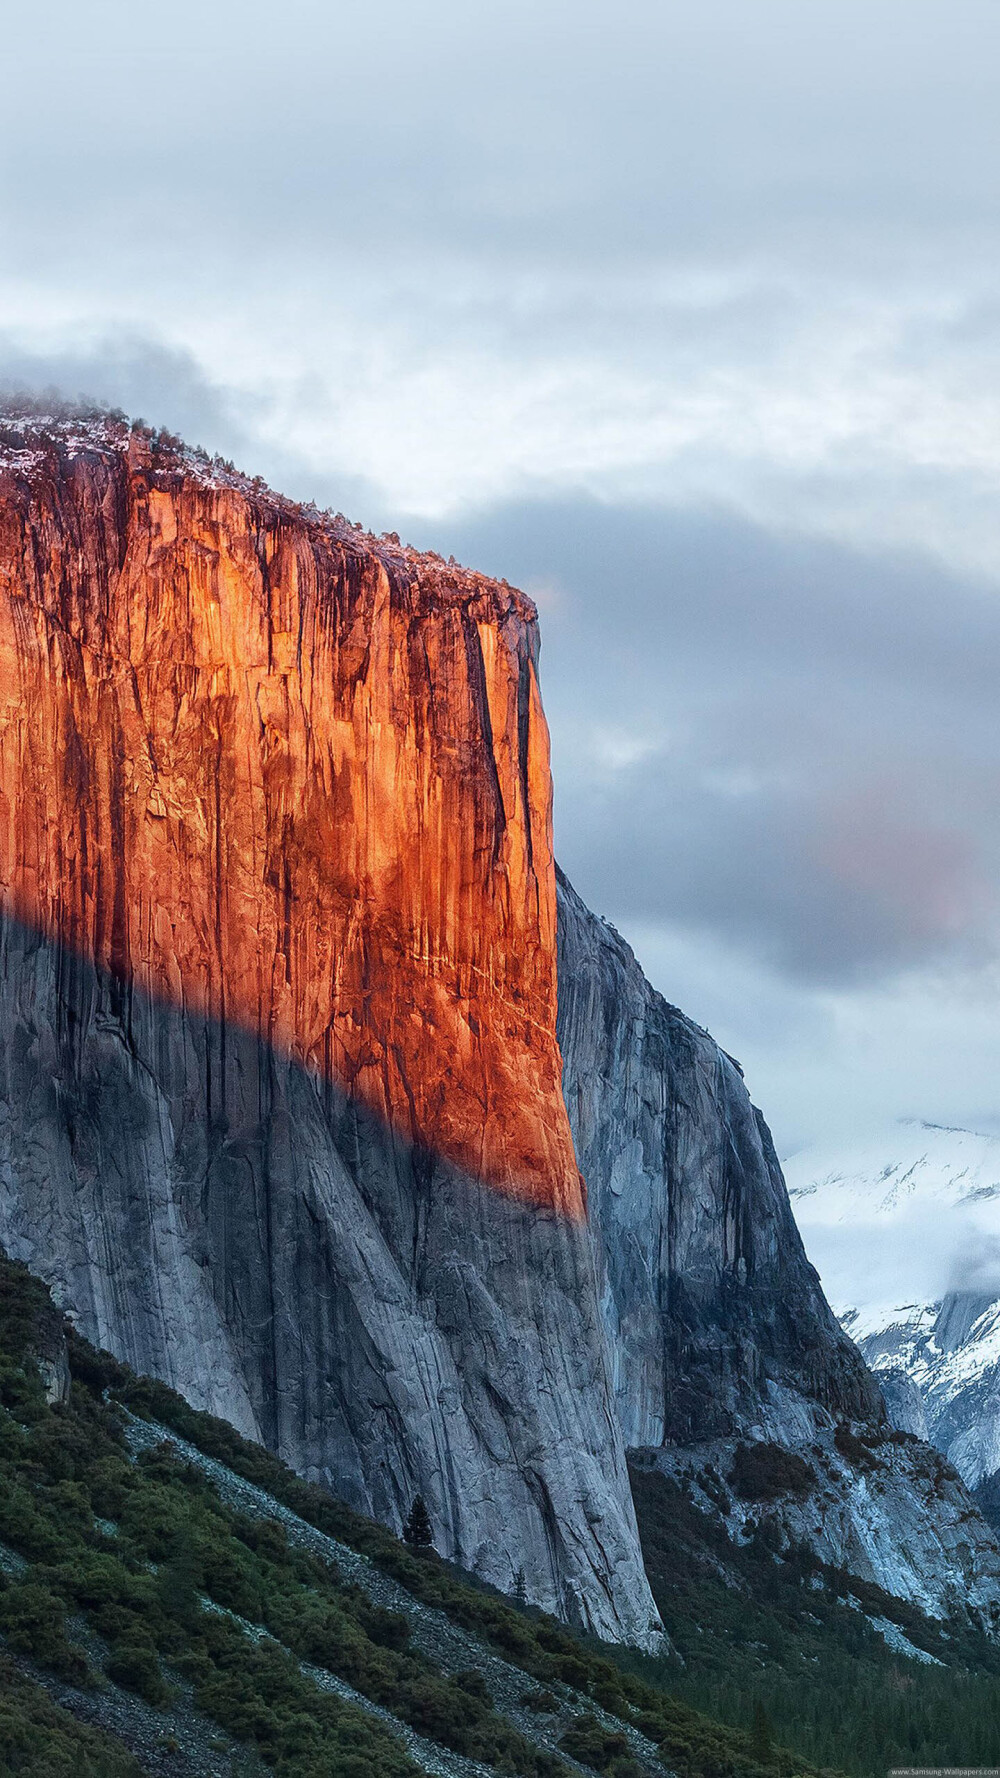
(776, 1635)
(163, 1609)
(208, 1638)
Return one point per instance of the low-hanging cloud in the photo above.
(778, 740)
(141, 375)
(168, 386)
(975, 1265)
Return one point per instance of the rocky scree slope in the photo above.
(206, 1611)
(853, 1677)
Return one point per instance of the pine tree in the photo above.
(520, 1588)
(417, 1531)
(761, 1734)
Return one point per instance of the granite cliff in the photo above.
(282, 1116)
(285, 1117)
(717, 1321)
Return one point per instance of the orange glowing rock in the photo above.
(283, 774)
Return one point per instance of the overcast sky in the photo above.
(687, 319)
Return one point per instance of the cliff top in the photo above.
(34, 433)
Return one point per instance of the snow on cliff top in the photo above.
(28, 433)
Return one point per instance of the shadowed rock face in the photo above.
(222, 1218)
(718, 1330)
(281, 1110)
(716, 1321)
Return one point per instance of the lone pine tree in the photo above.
(417, 1531)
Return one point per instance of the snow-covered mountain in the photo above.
(904, 1229)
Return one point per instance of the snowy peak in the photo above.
(910, 1162)
(905, 1232)
(902, 1220)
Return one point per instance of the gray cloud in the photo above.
(515, 128)
(975, 1266)
(725, 252)
(777, 740)
(143, 376)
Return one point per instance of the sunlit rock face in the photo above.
(267, 769)
(280, 1109)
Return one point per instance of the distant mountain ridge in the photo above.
(931, 1192)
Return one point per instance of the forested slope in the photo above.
(180, 1590)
